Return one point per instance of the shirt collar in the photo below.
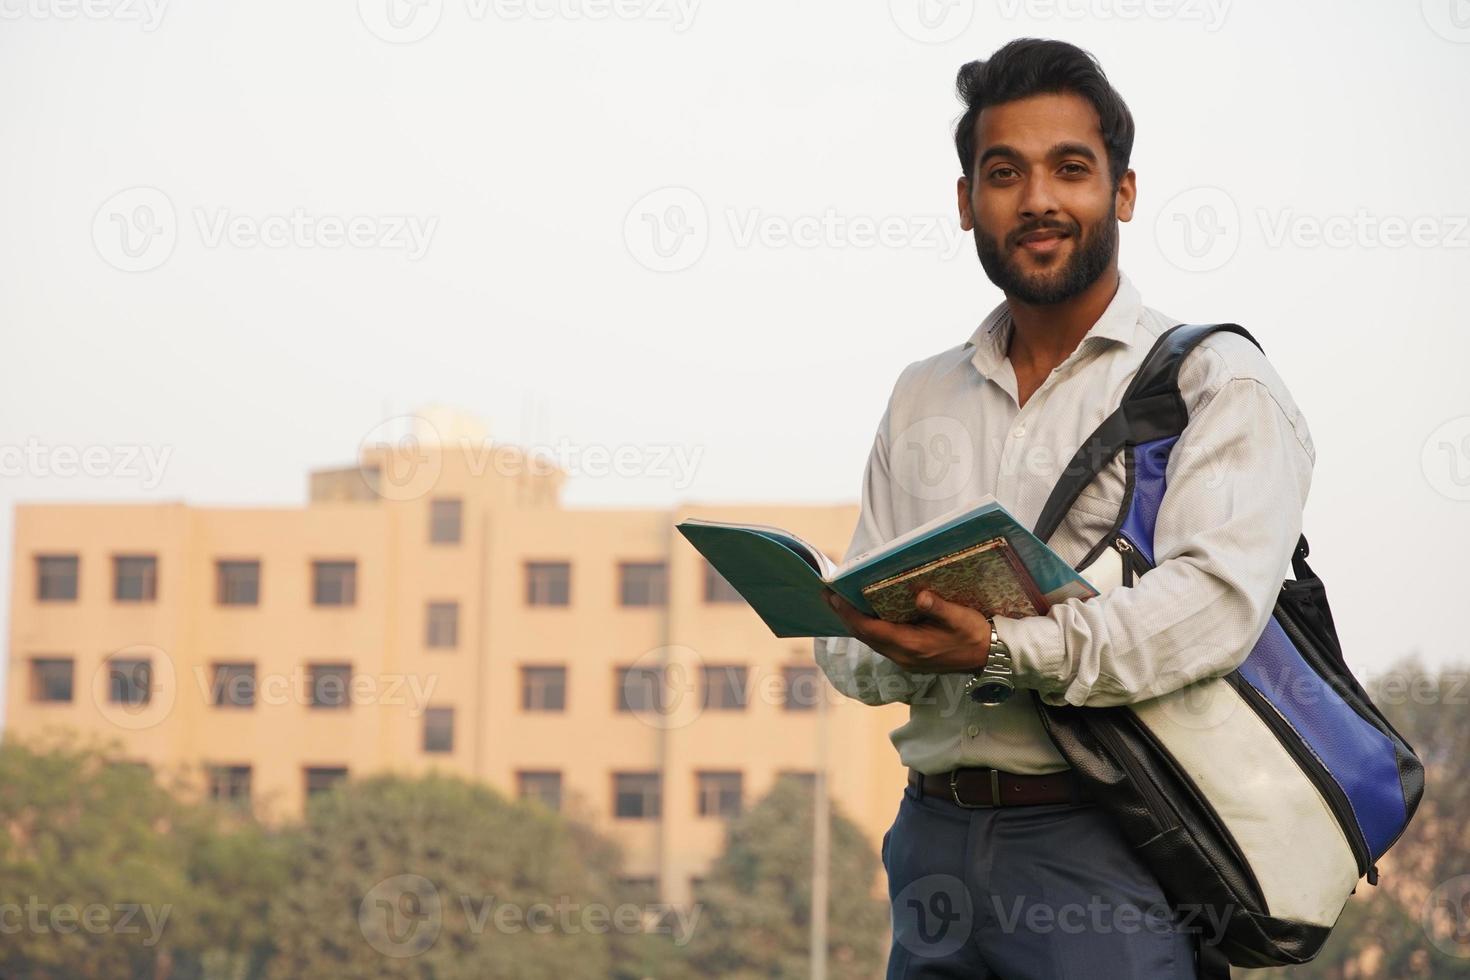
(1118, 323)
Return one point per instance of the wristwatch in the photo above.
(992, 684)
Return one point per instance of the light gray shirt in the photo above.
(1237, 481)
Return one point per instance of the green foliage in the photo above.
(756, 902)
(440, 878)
(105, 874)
(237, 869)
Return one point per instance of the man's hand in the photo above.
(950, 638)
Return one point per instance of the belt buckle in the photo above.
(954, 791)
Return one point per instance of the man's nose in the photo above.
(1038, 199)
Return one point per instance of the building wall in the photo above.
(510, 515)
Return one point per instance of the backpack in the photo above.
(1258, 798)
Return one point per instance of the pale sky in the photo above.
(238, 237)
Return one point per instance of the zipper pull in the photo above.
(1125, 551)
(1373, 875)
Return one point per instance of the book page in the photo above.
(875, 554)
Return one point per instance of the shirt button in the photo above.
(1019, 431)
(973, 730)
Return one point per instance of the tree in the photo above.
(237, 869)
(444, 879)
(87, 880)
(756, 903)
(105, 874)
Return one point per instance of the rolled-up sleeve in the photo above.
(1235, 487)
(853, 667)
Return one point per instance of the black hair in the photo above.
(1032, 66)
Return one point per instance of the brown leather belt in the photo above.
(981, 786)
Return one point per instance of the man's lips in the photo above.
(1047, 240)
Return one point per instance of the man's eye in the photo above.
(1001, 172)
(1074, 169)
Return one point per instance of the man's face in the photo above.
(1041, 203)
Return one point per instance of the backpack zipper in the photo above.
(1126, 551)
(1158, 807)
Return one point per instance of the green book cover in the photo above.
(781, 576)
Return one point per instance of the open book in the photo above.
(782, 576)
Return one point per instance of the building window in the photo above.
(643, 583)
(636, 795)
(328, 685)
(129, 680)
(801, 687)
(548, 583)
(438, 729)
(724, 687)
(640, 689)
(444, 521)
(442, 625)
(334, 583)
(804, 778)
(134, 578)
(230, 784)
(233, 685)
(320, 779)
(716, 589)
(719, 793)
(237, 583)
(51, 679)
(543, 786)
(56, 578)
(638, 889)
(543, 688)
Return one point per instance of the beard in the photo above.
(1090, 257)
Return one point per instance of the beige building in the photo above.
(436, 608)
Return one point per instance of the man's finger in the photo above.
(959, 618)
(879, 634)
(906, 644)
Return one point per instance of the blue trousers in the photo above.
(1042, 892)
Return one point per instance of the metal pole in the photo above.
(821, 845)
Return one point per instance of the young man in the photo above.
(997, 868)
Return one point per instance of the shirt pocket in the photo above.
(1097, 505)
(1093, 514)
(1101, 500)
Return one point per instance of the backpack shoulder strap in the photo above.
(1151, 408)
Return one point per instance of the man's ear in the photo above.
(1127, 194)
(967, 216)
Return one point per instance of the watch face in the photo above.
(992, 690)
